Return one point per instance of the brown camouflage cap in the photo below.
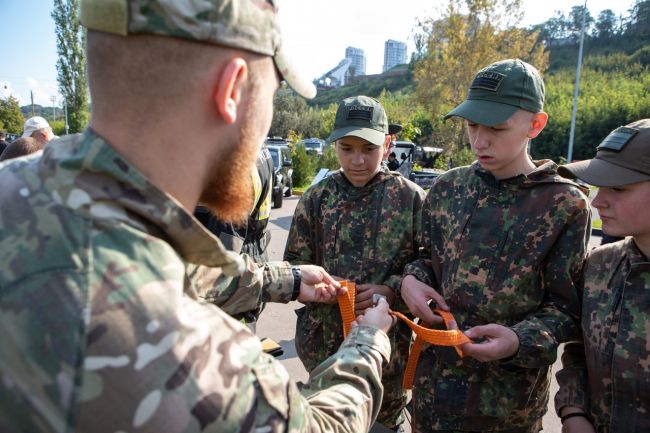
(622, 158)
(250, 25)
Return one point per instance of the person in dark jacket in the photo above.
(252, 237)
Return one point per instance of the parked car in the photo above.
(276, 141)
(282, 179)
(314, 145)
(407, 155)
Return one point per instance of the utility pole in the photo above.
(31, 94)
(569, 157)
(53, 99)
(65, 111)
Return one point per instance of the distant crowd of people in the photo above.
(121, 311)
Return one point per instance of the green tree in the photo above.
(11, 118)
(291, 113)
(71, 64)
(606, 24)
(575, 21)
(640, 19)
(470, 35)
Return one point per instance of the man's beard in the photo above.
(228, 193)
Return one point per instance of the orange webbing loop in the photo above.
(432, 336)
(436, 337)
(346, 305)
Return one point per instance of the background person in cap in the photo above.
(393, 129)
(359, 224)
(101, 329)
(605, 382)
(502, 244)
(38, 128)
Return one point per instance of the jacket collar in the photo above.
(95, 180)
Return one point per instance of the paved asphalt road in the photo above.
(278, 321)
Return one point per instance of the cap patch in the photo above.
(487, 81)
(617, 139)
(359, 112)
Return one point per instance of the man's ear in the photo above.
(227, 94)
(537, 124)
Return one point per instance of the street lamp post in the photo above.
(65, 112)
(569, 157)
(53, 99)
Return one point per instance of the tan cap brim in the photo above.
(601, 173)
(296, 81)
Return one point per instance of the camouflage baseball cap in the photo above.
(250, 25)
(623, 157)
(363, 117)
(499, 90)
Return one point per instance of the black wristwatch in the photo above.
(295, 270)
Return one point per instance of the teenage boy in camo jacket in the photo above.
(359, 224)
(605, 382)
(502, 244)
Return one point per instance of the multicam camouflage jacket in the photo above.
(507, 252)
(365, 234)
(101, 330)
(607, 374)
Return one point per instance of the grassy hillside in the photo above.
(371, 85)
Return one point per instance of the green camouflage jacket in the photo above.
(607, 374)
(365, 234)
(507, 252)
(101, 330)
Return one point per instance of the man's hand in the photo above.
(576, 424)
(417, 295)
(377, 317)
(363, 299)
(501, 342)
(316, 285)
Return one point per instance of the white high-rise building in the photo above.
(358, 61)
(394, 54)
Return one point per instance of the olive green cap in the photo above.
(622, 158)
(499, 90)
(250, 25)
(363, 117)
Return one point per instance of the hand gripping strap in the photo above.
(436, 337)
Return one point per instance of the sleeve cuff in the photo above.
(278, 282)
(372, 337)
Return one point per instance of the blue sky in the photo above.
(316, 33)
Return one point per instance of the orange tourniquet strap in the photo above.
(432, 336)
(346, 305)
(437, 337)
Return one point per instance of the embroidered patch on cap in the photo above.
(487, 81)
(359, 112)
(617, 139)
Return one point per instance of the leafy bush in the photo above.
(304, 166)
(329, 159)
